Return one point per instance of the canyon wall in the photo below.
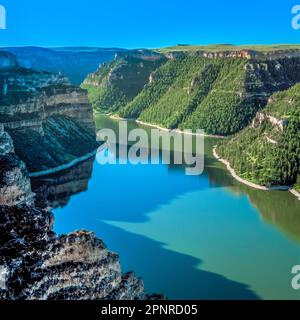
(217, 91)
(50, 121)
(46, 123)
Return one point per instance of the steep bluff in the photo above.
(50, 121)
(219, 92)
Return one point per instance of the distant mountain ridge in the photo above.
(74, 62)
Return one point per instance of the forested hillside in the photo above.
(220, 95)
(268, 151)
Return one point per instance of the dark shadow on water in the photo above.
(164, 271)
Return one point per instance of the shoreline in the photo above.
(251, 184)
(114, 117)
(295, 193)
(63, 166)
(216, 156)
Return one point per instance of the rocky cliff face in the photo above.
(47, 123)
(35, 264)
(236, 54)
(142, 54)
(115, 84)
(14, 179)
(50, 121)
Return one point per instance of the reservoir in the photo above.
(187, 237)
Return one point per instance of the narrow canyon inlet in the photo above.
(187, 237)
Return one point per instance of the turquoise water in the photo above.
(191, 237)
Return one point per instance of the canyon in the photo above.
(45, 124)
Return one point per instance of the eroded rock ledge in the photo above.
(35, 264)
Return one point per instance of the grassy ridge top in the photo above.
(229, 47)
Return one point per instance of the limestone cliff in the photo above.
(115, 84)
(50, 121)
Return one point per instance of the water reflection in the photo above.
(187, 236)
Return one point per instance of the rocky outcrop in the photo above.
(121, 80)
(70, 101)
(142, 54)
(35, 264)
(246, 54)
(14, 179)
(261, 117)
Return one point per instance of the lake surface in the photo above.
(188, 237)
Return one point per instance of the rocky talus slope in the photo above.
(220, 92)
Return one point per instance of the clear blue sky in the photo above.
(151, 23)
